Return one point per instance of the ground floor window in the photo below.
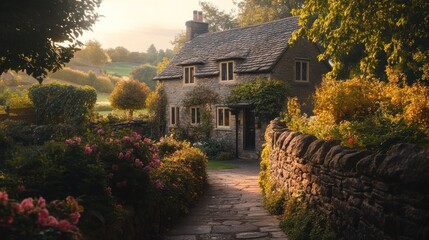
(223, 114)
(195, 115)
(174, 115)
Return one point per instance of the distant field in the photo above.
(119, 68)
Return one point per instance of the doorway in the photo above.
(249, 129)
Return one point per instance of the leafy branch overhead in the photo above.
(367, 37)
(41, 36)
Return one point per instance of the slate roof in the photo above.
(256, 48)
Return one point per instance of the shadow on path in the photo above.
(231, 208)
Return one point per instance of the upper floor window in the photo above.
(223, 114)
(302, 71)
(227, 71)
(189, 75)
(174, 116)
(195, 116)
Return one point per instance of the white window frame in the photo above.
(299, 77)
(222, 123)
(195, 113)
(174, 115)
(189, 75)
(229, 71)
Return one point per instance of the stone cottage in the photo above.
(221, 60)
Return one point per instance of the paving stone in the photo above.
(234, 229)
(250, 235)
(278, 234)
(231, 223)
(181, 237)
(270, 229)
(193, 229)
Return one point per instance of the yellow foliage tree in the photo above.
(129, 95)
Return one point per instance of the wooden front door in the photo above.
(249, 129)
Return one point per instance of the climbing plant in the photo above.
(203, 98)
(267, 96)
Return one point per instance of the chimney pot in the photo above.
(195, 15)
(200, 16)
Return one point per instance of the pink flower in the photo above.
(120, 156)
(66, 226)
(109, 190)
(136, 135)
(159, 184)
(110, 175)
(69, 141)
(115, 167)
(128, 154)
(94, 147)
(117, 141)
(88, 149)
(4, 198)
(74, 217)
(136, 145)
(43, 217)
(41, 203)
(77, 139)
(138, 163)
(147, 141)
(20, 188)
(26, 205)
(127, 139)
(351, 140)
(100, 131)
(51, 221)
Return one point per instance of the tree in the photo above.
(145, 73)
(218, 20)
(367, 37)
(118, 54)
(178, 42)
(152, 54)
(129, 95)
(160, 67)
(41, 36)
(260, 11)
(156, 103)
(93, 53)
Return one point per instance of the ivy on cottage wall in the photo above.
(203, 98)
(267, 96)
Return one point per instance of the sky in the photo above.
(136, 24)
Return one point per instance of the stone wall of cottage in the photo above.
(285, 70)
(366, 195)
(176, 91)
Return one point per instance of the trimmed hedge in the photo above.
(55, 103)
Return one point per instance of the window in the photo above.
(195, 115)
(227, 71)
(223, 117)
(189, 75)
(174, 116)
(301, 71)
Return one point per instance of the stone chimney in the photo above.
(196, 26)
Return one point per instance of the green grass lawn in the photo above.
(119, 68)
(219, 165)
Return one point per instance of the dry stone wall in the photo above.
(366, 195)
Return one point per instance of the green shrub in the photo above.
(268, 96)
(213, 147)
(273, 198)
(183, 176)
(56, 103)
(301, 223)
(100, 83)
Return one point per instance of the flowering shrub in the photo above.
(181, 178)
(35, 219)
(366, 114)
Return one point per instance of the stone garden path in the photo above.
(231, 208)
